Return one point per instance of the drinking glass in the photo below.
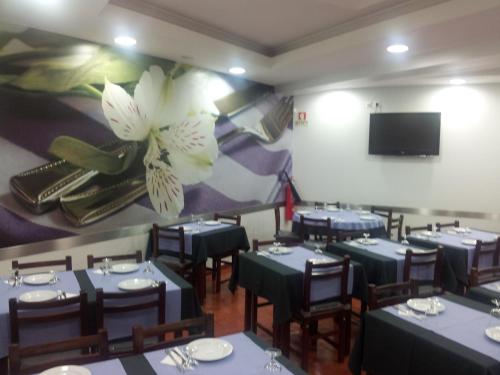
(273, 365)
(317, 249)
(404, 241)
(107, 266)
(149, 268)
(53, 277)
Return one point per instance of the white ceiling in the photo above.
(297, 45)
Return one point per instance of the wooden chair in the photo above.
(409, 229)
(81, 350)
(233, 253)
(173, 256)
(193, 328)
(124, 302)
(484, 249)
(398, 226)
(431, 258)
(386, 213)
(137, 257)
(283, 235)
(66, 262)
(391, 294)
(455, 224)
(22, 314)
(324, 224)
(345, 235)
(322, 204)
(312, 312)
(484, 276)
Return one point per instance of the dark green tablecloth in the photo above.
(482, 295)
(388, 345)
(190, 306)
(376, 232)
(282, 285)
(456, 258)
(213, 243)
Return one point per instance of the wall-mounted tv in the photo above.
(410, 133)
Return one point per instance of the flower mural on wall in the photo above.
(173, 116)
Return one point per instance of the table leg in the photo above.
(281, 337)
(200, 278)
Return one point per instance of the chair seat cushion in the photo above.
(322, 309)
(175, 263)
(288, 236)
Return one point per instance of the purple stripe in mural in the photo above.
(16, 231)
(40, 119)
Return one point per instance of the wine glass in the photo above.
(366, 236)
(273, 365)
(107, 266)
(149, 267)
(404, 241)
(317, 249)
(53, 277)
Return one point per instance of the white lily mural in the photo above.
(174, 117)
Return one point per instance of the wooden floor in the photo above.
(229, 312)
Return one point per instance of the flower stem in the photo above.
(92, 91)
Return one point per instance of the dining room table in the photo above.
(205, 239)
(280, 278)
(383, 260)
(461, 339)
(341, 220)
(247, 357)
(485, 293)
(458, 245)
(181, 302)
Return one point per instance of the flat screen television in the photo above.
(411, 133)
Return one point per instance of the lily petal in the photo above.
(165, 190)
(122, 114)
(191, 136)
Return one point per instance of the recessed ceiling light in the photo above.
(237, 70)
(397, 48)
(457, 81)
(125, 41)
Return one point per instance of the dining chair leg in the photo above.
(253, 324)
(248, 309)
(341, 340)
(348, 333)
(304, 361)
(218, 275)
(313, 330)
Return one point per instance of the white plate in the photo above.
(210, 349)
(493, 333)
(67, 370)
(124, 268)
(469, 242)
(135, 284)
(423, 305)
(332, 208)
(303, 212)
(212, 222)
(363, 212)
(38, 296)
(367, 241)
(367, 217)
(280, 250)
(428, 233)
(38, 279)
(402, 251)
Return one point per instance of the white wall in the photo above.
(331, 161)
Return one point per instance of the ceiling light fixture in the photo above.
(397, 48)
(237, 70)
(125, 41)
(457, 81)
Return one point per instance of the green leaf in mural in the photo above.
(87, 156)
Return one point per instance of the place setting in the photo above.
(420, 308)
(366, 240)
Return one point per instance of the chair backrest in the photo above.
(429, 259)
(484, 275)
(409, 229)
(455, 224)
(483, 249)
(257, 244)
(391, 294)
(42, 313)
(277, 220)
(229, 219)
(331, 271)
(66, 262)
(91, 260)
(345, 235)
(125, 302)
(174, 237)
(93, 348)
(322, 204)
(316, 223)
(386, 213)
(397, 224)
(183, 332)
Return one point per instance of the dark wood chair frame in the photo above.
(195, 328)
(158, 302)
(386, 213)
(322, 223)
(429, 258)
(484, 275)
(23, 313)
(280, 235)
(409, 229)
(233, 253)
(67, 262)
(391, 294)
(455, 224)
(321, 204)
(486, 248)
(311, 313)
(93, 348)
(91, 260)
